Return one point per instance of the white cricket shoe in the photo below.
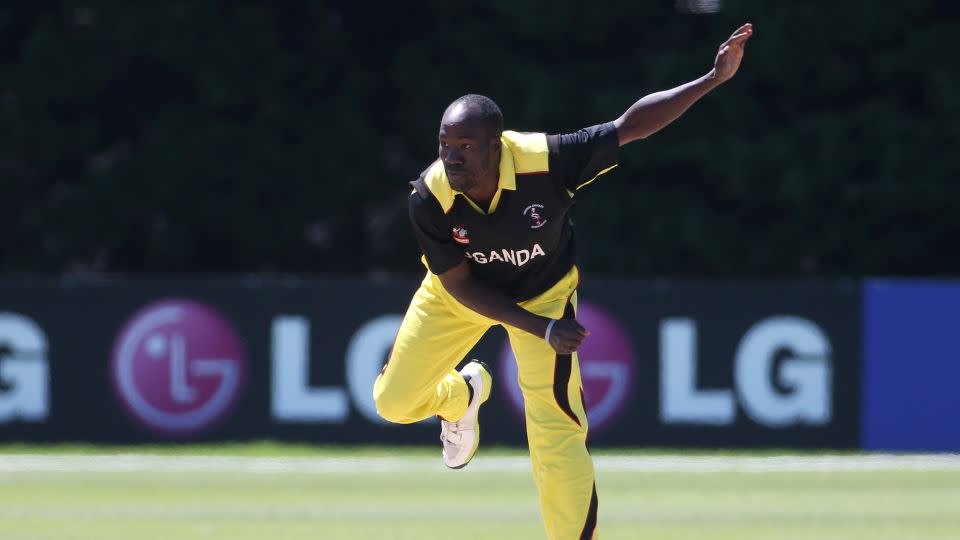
(461, 438)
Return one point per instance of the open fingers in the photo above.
(746, 28)
(736, 39)
(739, 36)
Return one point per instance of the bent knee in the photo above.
(392, 406)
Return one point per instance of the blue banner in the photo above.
(911, 348)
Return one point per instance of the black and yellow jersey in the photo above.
(524, 243)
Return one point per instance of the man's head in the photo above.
(470, 141)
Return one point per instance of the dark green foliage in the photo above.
(279, 136)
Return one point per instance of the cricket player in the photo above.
(492, 218)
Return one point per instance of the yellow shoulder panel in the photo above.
(529, 151)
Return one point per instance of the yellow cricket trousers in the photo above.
(420, 380)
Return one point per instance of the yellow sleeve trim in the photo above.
(608, 169)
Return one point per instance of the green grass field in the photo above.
(268, 492)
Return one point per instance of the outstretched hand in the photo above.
(567, 335)
(728, 58)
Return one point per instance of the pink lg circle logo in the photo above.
(607, 368)
(178, 367)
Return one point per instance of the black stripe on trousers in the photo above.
(591, 524)
(561, 375)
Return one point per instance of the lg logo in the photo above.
(178, 366)
(24, 370)
(797, 347)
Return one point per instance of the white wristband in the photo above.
(549, 328)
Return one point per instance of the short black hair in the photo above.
(485, 109)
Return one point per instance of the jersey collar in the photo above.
(521, 153)
(436, 180)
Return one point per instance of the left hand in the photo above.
(567, 336)
(728, 58)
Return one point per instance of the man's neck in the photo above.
(483, 194)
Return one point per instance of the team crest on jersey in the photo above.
(533, 212)
(460, 235)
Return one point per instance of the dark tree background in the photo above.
(279, 136)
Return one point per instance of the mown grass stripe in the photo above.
(379, 464)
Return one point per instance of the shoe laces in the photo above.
(450, 434)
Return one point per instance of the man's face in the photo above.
(467, 149)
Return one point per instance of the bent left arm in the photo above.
(653, 112)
